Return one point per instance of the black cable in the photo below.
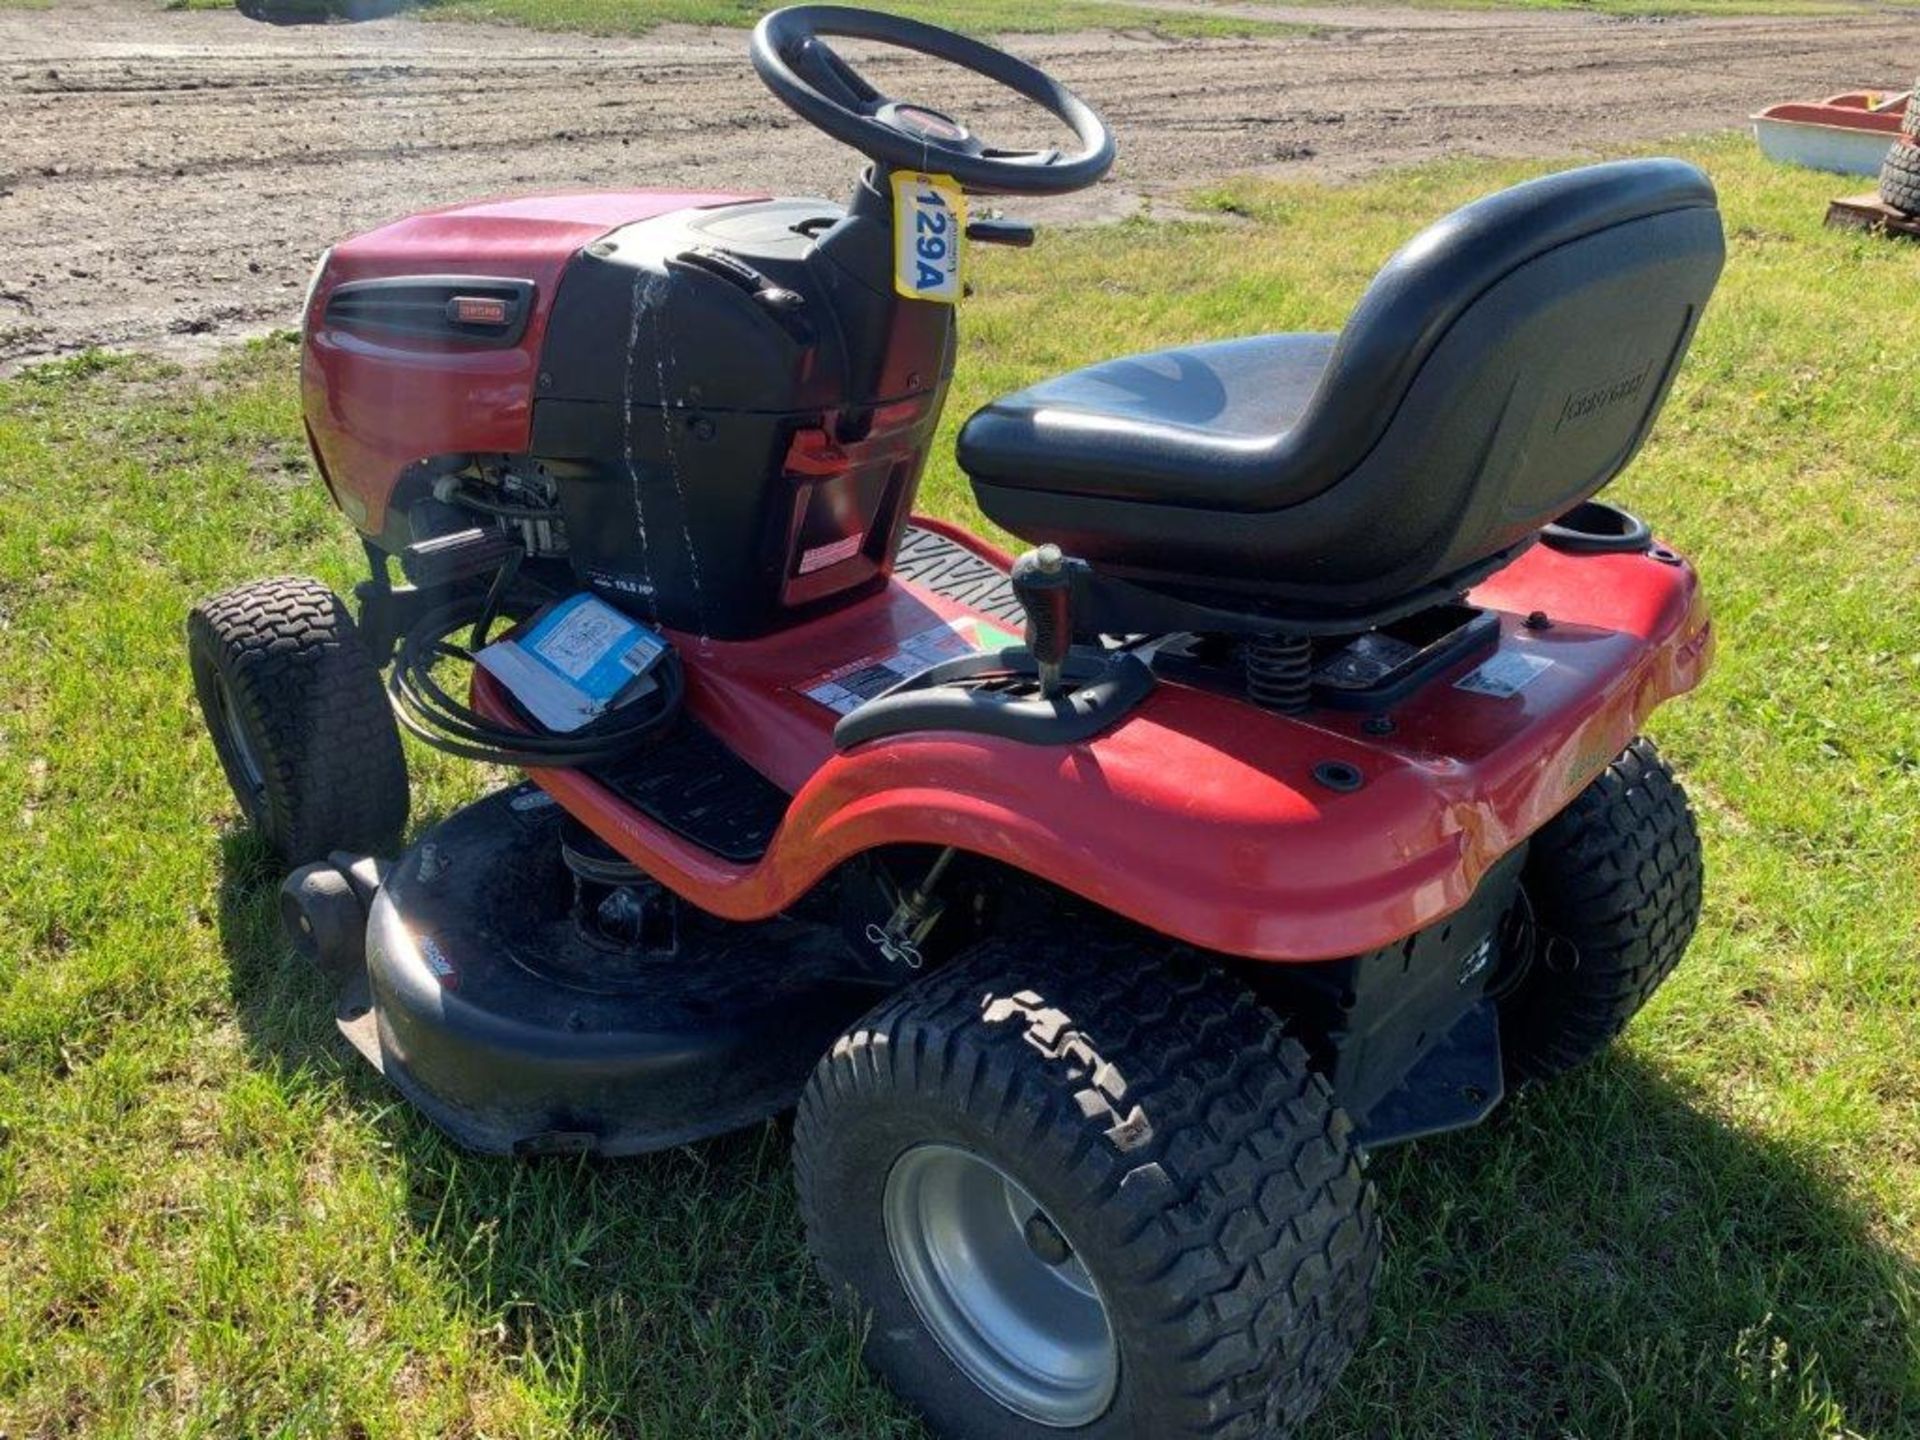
(503, 579)
(426, 711)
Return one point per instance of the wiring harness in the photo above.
(428, 712)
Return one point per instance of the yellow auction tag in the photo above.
(929, 229)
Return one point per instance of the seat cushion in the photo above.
(1199, 425)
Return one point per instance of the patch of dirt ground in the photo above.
(167, 178)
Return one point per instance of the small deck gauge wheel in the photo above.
(299, 719)
(1065, 1216)
(325, 922)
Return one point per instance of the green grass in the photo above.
(215, 1222)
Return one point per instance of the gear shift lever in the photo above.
(1043, 583)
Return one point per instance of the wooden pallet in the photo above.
(1870, 212)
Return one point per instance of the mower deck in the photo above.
(1449, 780)
(516, 1026)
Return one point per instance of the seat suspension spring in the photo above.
(1280, 672)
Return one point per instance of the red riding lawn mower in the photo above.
(1098, 908)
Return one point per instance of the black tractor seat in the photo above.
(1195, 426)
(1502, 367)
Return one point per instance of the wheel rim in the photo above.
(235, 732)
(997, 1285)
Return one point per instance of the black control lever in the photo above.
(1043, 584)
(1016, 233)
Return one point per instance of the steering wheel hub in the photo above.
(923, 124)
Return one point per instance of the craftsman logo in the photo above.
(930, 123)
(821, 556)
(1103, 1089)
(437, 961)
(1585, 404)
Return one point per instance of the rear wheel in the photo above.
(299, 719)
(1614, 885)
(1093, 1191)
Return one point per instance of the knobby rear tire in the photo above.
(1179, 1140)
(1614, 882)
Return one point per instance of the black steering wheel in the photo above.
(797, 64)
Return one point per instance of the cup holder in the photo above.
(1597, 528)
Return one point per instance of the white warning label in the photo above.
(858, 681)
(1507, 673)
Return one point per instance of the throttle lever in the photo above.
(992, 230)
(1043, 584)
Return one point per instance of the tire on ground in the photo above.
(1614, 883)
(299, 719)
(1196, 1165)
(1900, 176)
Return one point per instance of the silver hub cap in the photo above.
(999, 1287)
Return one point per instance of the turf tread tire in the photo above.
(1900, 176)
(1615, 883)
(1910, 117)
(1196, 1160)
(309, 698)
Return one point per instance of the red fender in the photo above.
(1198, 815)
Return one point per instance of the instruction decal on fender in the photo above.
(1507, 673)
(929, 229)
(849, 686)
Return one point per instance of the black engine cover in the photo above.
(736, 408)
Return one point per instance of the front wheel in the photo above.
(299, 719)
(1088, 1189)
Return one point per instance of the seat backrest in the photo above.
(1506, 364)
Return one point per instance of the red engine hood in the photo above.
(527, 237)
(374, 405)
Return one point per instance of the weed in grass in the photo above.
(214, 1220)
